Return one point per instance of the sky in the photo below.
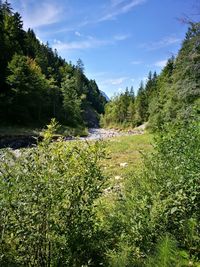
(119, 41)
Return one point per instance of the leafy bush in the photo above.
(47, 204)
(51, 213)
(167, 254)
(161, 201)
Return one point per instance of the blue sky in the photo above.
(119, 41)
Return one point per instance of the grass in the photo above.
(124, 155)
(124, 149)
(15, 130)
(22, 131)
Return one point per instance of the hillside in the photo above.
(36, 84)
(77, 197)
(171, 96)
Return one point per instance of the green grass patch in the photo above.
(22, 131)
(16, 130)
(124, 154)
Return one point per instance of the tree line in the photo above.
(172, 95)
(54, 209)
(36, 84)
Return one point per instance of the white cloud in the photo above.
(112, 11)
(115, 81)
(78, 34)
(167, 41)
(80, 45)
(118, 81)
(56, 41)
(36, 14)
(161, 63)
(86, 42)
(119, 7)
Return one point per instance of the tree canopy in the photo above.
(171, 96)
(35, 82)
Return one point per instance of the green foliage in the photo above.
(53, 212)
(141, 106)
(11, 36)
(119, 259)
(47, 204)
(178, 92)
(28, 88)
(162, 198)
(33, 79)
(71, 102)
(169, 97)
(167, 254)
(126, 110)
(120, 110)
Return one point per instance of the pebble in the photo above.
(123, 164)
(118, 177)
(100, 133)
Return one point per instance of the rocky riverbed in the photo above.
(100, 133)
(16, 142)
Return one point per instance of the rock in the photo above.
(107, 190)
(123, 164)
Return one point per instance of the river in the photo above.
(16, 142)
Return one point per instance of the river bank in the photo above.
(23, 141)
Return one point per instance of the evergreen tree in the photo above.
(48, 71)
(27, 89)
(160, 96)
(141, 105)
(71, 102)
(131, 108)
(185, 91)
(2, 49)
(178, 92)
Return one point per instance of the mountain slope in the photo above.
(36, 84)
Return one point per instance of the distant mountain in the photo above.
(105, 95)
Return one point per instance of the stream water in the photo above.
(16, 142)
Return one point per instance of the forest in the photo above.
(36, 84)
(171, 96)
(72, 204)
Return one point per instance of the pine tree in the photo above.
(141, 105)
(52, 71)
(71, 102)
(28, 87)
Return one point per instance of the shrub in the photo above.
(162, 200)
(47, 204)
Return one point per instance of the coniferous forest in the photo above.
(36, 84)
(170, 96)
(74, 204)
